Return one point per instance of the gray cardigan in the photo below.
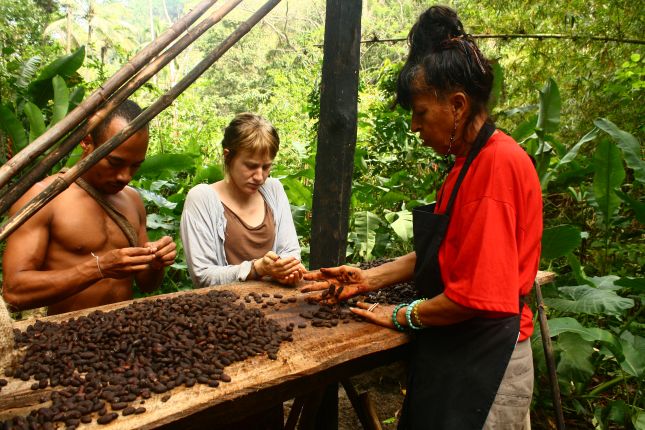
(202, 232)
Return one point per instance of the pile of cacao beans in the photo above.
(107, 364)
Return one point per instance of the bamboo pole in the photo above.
(83, 110)
(539, 36)
(62, 182)
(121, 95)
(550, 360)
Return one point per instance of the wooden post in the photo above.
(335, 154)
(336, 133)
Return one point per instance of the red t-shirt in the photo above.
(491, 251)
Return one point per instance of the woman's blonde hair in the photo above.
(252, 133)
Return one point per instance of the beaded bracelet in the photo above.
(415, 312)
(398, 326)
(408, 315)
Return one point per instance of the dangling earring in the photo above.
(452, 136)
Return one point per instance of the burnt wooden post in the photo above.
(336, 133)
(335, 156)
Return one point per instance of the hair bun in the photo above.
(433, 28)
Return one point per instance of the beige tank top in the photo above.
(245, 243)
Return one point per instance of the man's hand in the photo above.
(164, 250)
(124, 262)
(336, 283)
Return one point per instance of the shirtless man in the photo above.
(71, 254)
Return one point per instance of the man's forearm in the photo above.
(34, 288)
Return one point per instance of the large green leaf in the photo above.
(13, 127)
(401, 223)
(628, 144)
(633, 353)
(365, 225)
(157, 164)
(558, 326)
(608, 176)
(583, 299)
(63, 66)
(560, 240)
(61, 100)
(36, 120)
(208, 174)
(549, 113)
(41, 89)
(157, 221)
(156, 199)
(575, 357)
(573, 152)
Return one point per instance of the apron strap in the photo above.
(484, 134)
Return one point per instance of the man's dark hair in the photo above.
(128, 110)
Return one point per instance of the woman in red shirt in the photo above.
(476, 250)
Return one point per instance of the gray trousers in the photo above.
(510, 410)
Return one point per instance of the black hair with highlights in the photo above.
(443, 58)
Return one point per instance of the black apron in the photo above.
(454, 371)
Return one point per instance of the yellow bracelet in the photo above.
(415, 313)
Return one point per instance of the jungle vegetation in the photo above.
(576, 105)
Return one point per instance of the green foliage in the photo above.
(584, 129)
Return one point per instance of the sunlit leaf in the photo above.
(155, 165)
(365, 225)
(297, 193)
(549, 113)
(156, 221)
(156, 199)
(628, 144)
(402, 225)
(61, 100)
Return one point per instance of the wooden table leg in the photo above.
(310, 410)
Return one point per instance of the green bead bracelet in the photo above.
(398, 326)
(408, 315)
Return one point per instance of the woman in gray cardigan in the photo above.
(240, 228)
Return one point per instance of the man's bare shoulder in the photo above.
(35, 189)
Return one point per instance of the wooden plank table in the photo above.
(315, 358)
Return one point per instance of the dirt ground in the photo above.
(385, 387)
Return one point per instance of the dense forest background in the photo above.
(576, 104)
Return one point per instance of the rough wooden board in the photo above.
(313, 350)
